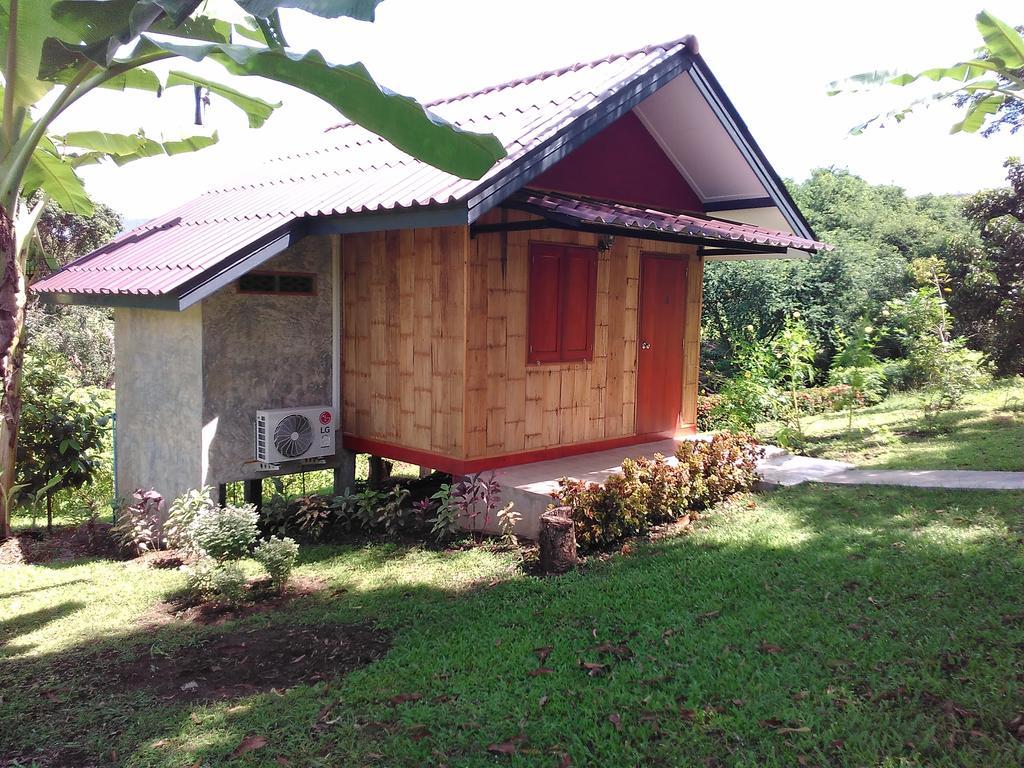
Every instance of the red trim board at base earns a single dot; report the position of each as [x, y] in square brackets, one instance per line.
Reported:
[458, 467]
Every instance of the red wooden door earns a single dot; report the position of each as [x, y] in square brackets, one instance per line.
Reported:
[659, 374]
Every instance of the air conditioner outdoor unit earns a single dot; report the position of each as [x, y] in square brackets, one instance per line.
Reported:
[294, 434]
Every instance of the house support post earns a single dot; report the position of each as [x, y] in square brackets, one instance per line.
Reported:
[220, 496]
[344, 471]
[254, 492]
[380, 471]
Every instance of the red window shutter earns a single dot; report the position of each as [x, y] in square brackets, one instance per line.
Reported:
[545, 289]
[579, 297]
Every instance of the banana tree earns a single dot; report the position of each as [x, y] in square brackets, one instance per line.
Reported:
[55, 52]
[985, 85]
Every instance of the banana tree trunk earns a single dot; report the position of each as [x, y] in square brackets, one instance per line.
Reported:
[12, 324]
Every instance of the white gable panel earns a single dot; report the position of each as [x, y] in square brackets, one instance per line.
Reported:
[683, 123]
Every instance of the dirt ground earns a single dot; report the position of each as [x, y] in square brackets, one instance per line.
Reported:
[245, 662]
[91, 539]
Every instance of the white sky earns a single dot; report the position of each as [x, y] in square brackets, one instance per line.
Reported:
[775, 60]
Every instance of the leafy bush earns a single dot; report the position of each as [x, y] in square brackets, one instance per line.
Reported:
[139, 527]
[708, 406]
[182, 514]
[228, 584]
[312, 514]
[225, 533]
[445, 522]
[62, 433]
[656, 490]
[719, 467]
[950, 372]
[394, 513]
[665, 487]
[605, 513]
[277, 556]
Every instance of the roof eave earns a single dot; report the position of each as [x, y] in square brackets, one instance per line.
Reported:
[730, 118]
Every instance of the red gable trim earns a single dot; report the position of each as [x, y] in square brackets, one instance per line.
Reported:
[623, 163]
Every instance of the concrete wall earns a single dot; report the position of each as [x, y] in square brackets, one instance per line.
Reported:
[263, 351]
[159, 360]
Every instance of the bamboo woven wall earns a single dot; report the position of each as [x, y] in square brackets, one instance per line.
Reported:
[512, 406]
[403, 349]
[434, 343]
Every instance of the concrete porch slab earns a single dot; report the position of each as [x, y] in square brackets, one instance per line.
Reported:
[530, 485]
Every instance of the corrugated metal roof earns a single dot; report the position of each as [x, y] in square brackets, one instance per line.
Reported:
[349, 171]
[583, 211]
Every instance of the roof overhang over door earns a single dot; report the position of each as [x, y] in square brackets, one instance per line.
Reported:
[701, 132]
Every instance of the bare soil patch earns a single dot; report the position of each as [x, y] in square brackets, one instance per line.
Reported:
[245, 662]
[91, 539]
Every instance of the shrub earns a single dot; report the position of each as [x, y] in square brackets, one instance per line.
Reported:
[277, 556]
[312, 514]
[229, 584]
[605, 513]
[719, 467]
[666, 487]
[394, 514]
[445, 522]
[182, 514]
[139, 527]
[951, 371]
[62, 433]
[200, 582]
[708, 406]
[225, 533]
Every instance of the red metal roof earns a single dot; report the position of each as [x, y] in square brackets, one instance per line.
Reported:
[583, 211]
[349, 170]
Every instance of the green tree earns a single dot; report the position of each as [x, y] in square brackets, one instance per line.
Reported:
[877, 231]
[55, 52]
[988, 87]
[987, 275]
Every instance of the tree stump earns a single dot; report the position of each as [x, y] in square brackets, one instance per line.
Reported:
[557, 541]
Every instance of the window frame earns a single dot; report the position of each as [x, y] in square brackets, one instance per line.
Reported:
[568, 296]
[277, 274]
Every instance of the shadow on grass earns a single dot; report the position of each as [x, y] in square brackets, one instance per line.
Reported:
[877, 625]
[30, 622]
[56, 585]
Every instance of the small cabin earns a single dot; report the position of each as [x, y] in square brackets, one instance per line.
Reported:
[550, 308]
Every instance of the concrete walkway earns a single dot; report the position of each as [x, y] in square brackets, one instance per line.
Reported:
[530, 485]
[780, 468]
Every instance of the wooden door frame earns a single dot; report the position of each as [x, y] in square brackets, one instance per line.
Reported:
[686, 261]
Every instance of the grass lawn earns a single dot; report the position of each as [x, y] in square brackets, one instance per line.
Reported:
[987, 433]
[815, 626]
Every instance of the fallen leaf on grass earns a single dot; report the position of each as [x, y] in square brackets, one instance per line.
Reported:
[543, 653]
[687, 714]
[418, 732]
[619, 651]
[540, 671]
[1016, 727]
[542, 701]
[249, 744]
[769, 648]
[402, 698]
[593, 668]
[509, 747]
[565, 762]
[801, 729]
[707, 616]
[615, 720]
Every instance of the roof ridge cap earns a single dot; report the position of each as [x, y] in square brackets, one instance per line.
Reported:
[686, 41]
